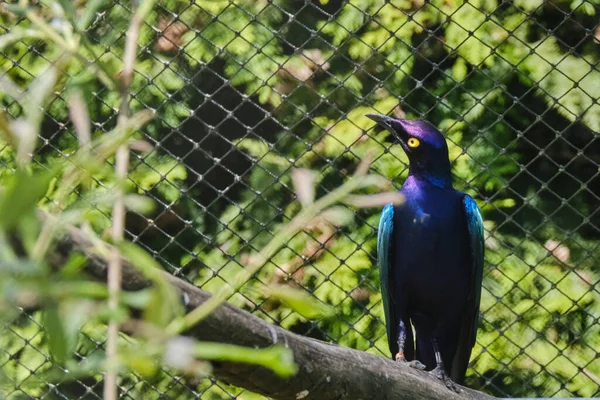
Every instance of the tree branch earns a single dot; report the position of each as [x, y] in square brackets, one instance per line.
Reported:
[326, 371]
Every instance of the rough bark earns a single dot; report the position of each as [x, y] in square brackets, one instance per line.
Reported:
[326, 371]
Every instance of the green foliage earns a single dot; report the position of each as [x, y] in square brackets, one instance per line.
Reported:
[499, 79]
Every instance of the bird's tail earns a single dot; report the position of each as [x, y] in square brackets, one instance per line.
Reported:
[464, 345]
[424, 352]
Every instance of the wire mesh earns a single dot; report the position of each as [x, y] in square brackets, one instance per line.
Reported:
[244, 91]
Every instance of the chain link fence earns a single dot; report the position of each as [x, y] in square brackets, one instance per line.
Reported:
[244, 91]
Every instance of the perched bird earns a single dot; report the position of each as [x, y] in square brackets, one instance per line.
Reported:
[430, 257]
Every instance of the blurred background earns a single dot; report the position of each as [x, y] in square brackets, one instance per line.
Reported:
[244, 91]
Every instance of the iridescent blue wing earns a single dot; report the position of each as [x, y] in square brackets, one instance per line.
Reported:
[476, 239]
[471, 317]
[384, 243]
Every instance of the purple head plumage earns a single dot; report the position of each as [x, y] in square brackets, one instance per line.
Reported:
[404, 129]
[424, 145]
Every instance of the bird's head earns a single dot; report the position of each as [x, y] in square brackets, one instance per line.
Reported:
[424, 145]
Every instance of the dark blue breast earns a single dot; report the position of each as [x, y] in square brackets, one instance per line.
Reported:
[431, 253]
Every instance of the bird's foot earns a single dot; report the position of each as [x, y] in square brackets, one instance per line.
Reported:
[439, 373]
[416, 364]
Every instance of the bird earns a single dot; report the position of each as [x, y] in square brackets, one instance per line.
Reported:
[430, 252]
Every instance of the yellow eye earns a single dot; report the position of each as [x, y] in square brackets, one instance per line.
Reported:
[413, 142]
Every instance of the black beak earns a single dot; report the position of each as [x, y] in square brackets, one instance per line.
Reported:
[395, 126]
[382, 120]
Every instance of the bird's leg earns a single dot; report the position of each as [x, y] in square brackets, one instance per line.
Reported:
[401, 343]
[439, 371]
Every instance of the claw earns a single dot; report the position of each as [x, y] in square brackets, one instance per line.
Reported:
[416, 364]
[439, 373]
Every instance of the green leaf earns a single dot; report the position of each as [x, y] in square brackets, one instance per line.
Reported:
[73, 265]
[22, 195]
[504, 203]
[138, 299]
[278, 358]
[120, 315]
[158, 310]
[38, 94]
[140, 204]
[459, 69]
[143, 364]
[15, 8]
[303, 303]
[57, 339]
[259, 149]
[74, 314]
[164, 304]
[79, 289]
[29, 231]
[69, 9]
[90, 12]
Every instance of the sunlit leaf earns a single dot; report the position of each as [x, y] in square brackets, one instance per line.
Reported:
[158, 310]
[91, 8]
[26, 134]
[143, 364]
[140, 204]
[73, 265]
[303, 303]
[38, 94]
[29, 231]
[139, 299]
[278, 358]
[22, 194]
[68, 9]
[74, 314]
[57, 338]
[165, 303]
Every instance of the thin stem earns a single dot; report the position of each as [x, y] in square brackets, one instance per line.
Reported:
[118, 214]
